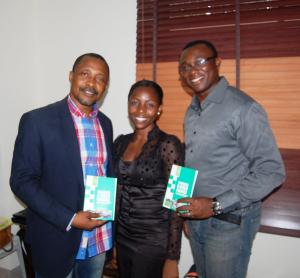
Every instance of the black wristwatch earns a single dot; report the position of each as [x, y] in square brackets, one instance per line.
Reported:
[216, 207]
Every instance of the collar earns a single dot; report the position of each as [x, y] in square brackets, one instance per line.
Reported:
[77, 112]
[216, 95]
[153, 133]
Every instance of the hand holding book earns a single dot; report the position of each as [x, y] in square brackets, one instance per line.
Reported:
[87, 220]
[196, 208]
[100, 196]
[180, 185]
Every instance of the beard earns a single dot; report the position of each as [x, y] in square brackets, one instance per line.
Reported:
[84, 100]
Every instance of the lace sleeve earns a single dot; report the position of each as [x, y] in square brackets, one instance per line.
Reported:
[119, 141]
[117, 147]
[175, 234]
[173, 153]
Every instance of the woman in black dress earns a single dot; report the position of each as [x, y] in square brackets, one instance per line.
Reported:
[148, 235]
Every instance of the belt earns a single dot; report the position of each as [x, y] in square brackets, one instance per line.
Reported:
[229, 217]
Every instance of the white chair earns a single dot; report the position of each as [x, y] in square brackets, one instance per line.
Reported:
[16, 247]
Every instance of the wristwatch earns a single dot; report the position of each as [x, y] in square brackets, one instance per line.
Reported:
[216, 207]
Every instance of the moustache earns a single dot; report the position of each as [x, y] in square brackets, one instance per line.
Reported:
[89, 89]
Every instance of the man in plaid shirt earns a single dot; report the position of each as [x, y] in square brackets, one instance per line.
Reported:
[56, 148]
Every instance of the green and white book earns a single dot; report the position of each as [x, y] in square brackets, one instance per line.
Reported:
[100, 196]
[180, 185]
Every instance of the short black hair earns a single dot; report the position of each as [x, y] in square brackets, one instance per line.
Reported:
[199, 42]
[151, 84]
[93, 55]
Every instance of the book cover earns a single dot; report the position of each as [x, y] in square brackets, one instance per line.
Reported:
[100, 196]
[180, 185]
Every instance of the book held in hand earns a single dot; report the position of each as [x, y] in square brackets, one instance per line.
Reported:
[180, 185]
[100, 196]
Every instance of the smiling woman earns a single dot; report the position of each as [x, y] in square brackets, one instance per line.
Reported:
[148, 235]
[144, 104]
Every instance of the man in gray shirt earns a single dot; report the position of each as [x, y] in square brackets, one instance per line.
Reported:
[229, 141]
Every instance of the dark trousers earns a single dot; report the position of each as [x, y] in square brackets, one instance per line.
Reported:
[142, 261]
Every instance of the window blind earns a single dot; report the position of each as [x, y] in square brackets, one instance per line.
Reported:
[268, 28]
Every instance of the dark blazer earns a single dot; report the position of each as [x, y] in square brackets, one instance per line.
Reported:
[47, 176]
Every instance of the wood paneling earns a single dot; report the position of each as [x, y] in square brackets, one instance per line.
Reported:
[281, 210]
[275, 83]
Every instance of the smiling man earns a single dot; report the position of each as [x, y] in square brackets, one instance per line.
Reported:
[229, 141]
[57, 146]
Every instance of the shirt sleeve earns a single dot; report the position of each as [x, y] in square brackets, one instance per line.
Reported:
[266, 169]
[172, 153]
[70, 223]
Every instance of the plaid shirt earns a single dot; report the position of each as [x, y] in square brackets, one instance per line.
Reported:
[94, 162]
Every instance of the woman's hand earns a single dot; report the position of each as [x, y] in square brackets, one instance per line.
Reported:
[170, 269]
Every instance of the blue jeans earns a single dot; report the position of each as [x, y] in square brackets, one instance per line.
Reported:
[88, 268]
[222, 249]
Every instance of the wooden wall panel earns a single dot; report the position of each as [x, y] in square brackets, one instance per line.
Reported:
[273, 82]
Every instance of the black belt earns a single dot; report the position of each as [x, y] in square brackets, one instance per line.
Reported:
[229, 217]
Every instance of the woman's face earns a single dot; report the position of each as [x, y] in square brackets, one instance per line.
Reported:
[143, 108]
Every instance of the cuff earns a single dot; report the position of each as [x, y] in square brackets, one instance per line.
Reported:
[229, 201]
[70, 223]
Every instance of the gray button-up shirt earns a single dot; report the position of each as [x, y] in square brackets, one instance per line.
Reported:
[229, 140]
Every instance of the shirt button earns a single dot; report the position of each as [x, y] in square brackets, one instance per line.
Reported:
[194, 132]
[191, 151]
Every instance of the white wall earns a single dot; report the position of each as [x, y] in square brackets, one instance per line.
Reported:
[272, 257]
[275, 257]
[40, 40]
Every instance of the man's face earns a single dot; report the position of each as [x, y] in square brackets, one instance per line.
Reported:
[199, 69]
[88, 82]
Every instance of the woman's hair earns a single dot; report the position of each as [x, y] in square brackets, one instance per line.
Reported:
[151, 84]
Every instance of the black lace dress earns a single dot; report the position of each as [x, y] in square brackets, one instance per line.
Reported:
[142, 222]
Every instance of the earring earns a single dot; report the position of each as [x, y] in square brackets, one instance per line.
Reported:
[158, 113]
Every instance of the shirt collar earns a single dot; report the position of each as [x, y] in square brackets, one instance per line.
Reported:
[153, 133]
[77, 112]
[216, 95]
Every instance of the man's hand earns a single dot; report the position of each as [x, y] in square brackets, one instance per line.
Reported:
[170, 269]
[85, 220]
[197, 208]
